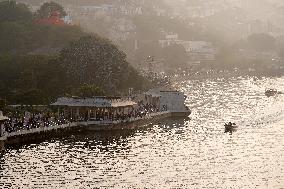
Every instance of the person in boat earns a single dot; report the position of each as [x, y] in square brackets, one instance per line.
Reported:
[230, 124]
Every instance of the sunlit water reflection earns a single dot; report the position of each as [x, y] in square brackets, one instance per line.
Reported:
[173, 154]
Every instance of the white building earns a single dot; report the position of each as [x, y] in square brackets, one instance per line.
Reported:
[197, 50]
[173, 101]
[122, 29]
[170, 100]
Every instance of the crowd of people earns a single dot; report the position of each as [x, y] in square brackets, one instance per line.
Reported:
[32, 121]
[29, 120]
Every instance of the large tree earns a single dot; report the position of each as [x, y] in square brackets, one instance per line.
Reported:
[88, 91]
[261, 42]
[19, 35]
[48, 8]
[96, 61]
[21, 76]
[10, 11]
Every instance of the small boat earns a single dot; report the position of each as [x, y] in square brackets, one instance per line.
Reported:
[230, 127]
[271, 92]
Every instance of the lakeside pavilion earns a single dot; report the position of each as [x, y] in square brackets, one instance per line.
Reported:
[95, 109]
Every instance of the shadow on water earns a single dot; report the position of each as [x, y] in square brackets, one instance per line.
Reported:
[93, 138]
[89, 138]
[176, 125]
[173, 122]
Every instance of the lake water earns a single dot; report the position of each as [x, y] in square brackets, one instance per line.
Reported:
[176, 153]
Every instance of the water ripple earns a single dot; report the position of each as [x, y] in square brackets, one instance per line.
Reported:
[173, 154]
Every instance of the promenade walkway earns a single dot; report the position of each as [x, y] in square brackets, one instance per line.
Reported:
[103, 123]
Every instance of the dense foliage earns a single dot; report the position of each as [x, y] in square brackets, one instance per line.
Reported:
[20, 34]
[95, 60]
[40, 62]
[12, 12]
[31, 79]
[48, 8]
[30, 38]
[261, 42]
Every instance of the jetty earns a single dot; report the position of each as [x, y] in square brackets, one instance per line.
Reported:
[97, 113]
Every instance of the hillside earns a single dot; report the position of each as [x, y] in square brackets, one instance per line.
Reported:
[40, 61]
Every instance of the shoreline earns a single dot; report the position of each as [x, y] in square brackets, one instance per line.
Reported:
[217, 74]
[36, 134]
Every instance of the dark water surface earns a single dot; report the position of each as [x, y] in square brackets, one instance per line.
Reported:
[173, 154]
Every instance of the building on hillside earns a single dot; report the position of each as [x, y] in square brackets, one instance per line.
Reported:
[200, 50]
[200, 12]
[197, 50]
[53, 19]
[129, 10]
[122, 29]
[67, 20]
[89, 9]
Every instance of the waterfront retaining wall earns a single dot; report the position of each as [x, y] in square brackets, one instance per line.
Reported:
[64, 129]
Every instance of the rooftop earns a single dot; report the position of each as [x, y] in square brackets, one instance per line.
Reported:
[98, 102]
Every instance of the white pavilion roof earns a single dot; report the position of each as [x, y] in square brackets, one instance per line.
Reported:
[93, 102]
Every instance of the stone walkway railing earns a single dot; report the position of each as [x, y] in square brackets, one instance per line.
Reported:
[76, 124]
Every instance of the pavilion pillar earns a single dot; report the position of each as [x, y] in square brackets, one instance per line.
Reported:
[89, 114]
[2, 145]
[71, 112]
[104, 113]
[115, 113]
[58, 111]
[108, 114]
[77, 113]
[2, 130]
[112, 113]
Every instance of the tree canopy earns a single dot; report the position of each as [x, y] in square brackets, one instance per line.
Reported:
[86, 65]
[261, 42]
[88, 91]
[20, 35]
[48, 8]
[10, 11]
[96, 61]
[31, 79]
